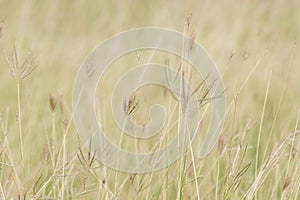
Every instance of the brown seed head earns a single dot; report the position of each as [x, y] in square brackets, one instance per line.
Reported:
[2, 28]
[130, 105]
[221, 144]
[287, 182]
[53, 101]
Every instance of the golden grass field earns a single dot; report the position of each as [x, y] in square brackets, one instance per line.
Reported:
[255, 45]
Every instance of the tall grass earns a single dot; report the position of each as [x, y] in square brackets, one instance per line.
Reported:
[255, 46]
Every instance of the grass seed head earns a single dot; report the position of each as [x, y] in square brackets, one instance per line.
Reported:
[287, 182]
[53, 98]
[2, 29]
[20, 72]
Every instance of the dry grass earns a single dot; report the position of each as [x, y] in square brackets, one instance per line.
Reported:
[254, 43]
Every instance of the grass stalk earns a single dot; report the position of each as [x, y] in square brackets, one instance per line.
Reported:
[261, 126]
[20, 125]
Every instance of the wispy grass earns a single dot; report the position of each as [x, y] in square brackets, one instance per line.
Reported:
[20, 71]
[257, 156]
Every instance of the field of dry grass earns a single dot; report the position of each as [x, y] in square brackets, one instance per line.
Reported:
[255, 45]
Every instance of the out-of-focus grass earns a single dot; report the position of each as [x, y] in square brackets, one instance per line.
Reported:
[248, 40]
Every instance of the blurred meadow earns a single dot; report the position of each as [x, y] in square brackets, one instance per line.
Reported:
[255, 45]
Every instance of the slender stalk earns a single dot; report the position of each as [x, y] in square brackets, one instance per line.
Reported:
[53, 139]
[260, 127]
[195, 172]
[63, 166]
[181, 178]
[292, 146]
[217, 178]
[20, 123]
